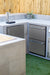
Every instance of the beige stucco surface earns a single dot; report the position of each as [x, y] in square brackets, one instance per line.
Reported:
[12, 57]
[4, 38]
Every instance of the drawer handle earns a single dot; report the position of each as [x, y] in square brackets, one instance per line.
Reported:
[36, 41]
[37, 28]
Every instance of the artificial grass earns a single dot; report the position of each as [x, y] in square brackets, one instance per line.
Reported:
[37, 66]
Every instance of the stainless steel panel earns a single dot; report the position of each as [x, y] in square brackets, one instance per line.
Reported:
[37, 47]
[37, 32]
[17, 30]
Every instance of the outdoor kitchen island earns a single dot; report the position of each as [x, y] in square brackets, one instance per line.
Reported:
[25, 24]
[12, 55]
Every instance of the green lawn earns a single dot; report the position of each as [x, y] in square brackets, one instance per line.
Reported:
[37, 66]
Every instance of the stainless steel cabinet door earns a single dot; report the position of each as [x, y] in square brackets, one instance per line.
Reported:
[17, 30]
[37, 32]
[37, 47]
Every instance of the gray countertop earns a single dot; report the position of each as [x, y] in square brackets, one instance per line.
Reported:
[31, 21]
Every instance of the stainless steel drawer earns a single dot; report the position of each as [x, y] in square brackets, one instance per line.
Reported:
[17, 30]
[37, 47]
[37, 32]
